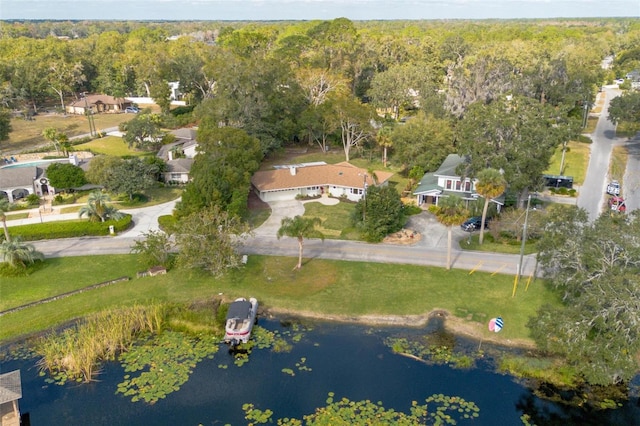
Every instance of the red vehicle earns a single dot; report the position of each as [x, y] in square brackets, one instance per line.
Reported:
[617, 204]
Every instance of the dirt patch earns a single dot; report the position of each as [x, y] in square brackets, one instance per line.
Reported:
[404, 236]
[452, 324]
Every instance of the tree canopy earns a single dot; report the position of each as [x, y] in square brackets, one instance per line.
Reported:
[595, 269]
[625, 107]
[210, 239]
[130, 177]
[379, 213]
[65, 176]
[234, 156]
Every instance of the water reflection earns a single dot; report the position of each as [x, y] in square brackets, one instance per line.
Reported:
[351, 361]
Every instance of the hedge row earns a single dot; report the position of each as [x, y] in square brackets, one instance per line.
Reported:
[68, 229]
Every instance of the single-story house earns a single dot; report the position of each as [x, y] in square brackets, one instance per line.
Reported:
[315, 179]
[97, 104]
[20, 180]
[445, 181]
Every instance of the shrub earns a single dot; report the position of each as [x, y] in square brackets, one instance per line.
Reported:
[32, 200]
[167, 223]
[66, 229]
[411, 209]
[584, 139]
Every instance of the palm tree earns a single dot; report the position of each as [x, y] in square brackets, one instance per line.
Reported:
[385, 141]
[97, 208]
[450, 211]
[18, 254]
[300, 227]
[490, 184]
[4, 208]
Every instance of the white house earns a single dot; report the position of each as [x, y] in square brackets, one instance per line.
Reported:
[179, 155]
[19, 180]
[315, 179]
[445, 181]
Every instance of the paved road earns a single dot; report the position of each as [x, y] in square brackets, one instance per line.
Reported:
[430, 250]
[592, 195]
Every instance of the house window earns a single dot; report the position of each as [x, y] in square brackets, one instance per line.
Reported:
[448, 184]
[467, 186]
[458, 185]
[176, 176]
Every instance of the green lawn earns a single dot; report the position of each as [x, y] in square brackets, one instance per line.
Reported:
[27, 135]
[110, 145]
[618, 164]
[321, 287]
[575, 162]
[336, 219]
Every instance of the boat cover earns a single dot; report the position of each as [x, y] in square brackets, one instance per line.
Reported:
[239, 309]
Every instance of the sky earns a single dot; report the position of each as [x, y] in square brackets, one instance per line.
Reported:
[267, 10]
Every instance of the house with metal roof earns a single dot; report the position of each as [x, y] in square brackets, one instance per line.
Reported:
[287, 182]
[445, 181]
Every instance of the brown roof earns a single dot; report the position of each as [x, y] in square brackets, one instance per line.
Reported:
[341, 174]
[103, 99]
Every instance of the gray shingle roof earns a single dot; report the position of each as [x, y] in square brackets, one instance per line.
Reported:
[19, 176]
[180, 165]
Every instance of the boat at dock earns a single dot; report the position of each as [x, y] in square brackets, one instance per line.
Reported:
[240, 320]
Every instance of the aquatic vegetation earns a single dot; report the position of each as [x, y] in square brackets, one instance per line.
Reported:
[75, 354]
[17, 351]
[262, 338]
[255, 415]
[435, 354]
[444, 410]
[300, 366]
[288, 371]
[544, 369]
[165, 363]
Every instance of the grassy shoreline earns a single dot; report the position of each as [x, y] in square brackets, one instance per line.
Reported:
[324, 289]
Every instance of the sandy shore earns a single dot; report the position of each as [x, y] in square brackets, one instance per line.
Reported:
[452, 324]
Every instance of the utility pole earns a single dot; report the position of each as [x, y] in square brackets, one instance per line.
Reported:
[364, 199]
[89, 113]
[524, 238]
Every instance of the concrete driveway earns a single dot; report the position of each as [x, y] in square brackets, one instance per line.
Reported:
[432, 232]
[282, 209]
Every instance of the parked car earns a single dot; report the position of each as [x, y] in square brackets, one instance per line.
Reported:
[613, 188]
[617, 204]
[131, 110]
[474, 223]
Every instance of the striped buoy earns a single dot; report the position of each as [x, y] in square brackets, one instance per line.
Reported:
[498, 325]
[495, 324]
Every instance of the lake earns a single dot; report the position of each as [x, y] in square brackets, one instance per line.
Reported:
[351, 361]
